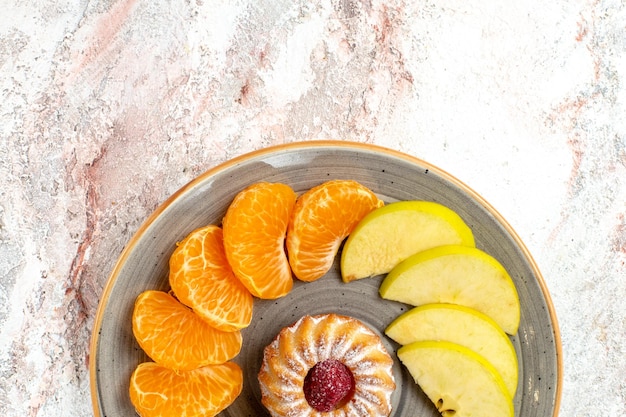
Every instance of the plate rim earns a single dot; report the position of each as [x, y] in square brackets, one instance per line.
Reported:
[291, 146]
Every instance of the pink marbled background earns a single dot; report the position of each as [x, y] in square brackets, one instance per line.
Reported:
[110, 106]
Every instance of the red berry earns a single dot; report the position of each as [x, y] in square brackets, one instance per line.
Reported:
[328, 385]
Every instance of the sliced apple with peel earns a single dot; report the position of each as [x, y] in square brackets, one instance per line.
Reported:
[457, 275]
[461, 325]
[392, 233]
[460, 382]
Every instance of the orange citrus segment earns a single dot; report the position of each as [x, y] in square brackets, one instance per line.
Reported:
[322, 218]
[159, 391]
[254, 227]
[202, 279]
[175, 337]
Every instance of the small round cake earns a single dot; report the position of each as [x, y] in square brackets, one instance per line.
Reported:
[330, 365]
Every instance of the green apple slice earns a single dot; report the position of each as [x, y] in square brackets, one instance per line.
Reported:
[461, 325]
[460, 382]
[457, 275]
[392, 233]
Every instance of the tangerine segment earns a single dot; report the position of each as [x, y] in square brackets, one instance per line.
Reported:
[202, 279]
[254, 235]
[206, 391]
[174, 336]
[322, 218]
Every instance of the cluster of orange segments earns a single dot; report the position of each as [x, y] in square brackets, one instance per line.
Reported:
[268, 235]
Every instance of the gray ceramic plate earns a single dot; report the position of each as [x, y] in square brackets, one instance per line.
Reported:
[393, 176]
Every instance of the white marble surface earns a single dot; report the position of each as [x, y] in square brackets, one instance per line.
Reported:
[109, 106]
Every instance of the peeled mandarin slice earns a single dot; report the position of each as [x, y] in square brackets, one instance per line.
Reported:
[177, 338]
[202, 279]
[156, 391]
[254, 227]
[322, 218]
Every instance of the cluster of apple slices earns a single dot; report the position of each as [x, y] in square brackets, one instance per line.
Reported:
[454, 342]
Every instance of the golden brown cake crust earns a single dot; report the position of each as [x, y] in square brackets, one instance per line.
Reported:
[313, 339]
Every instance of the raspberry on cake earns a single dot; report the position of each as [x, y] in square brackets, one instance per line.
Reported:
[328, 385]
[327, 365]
